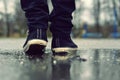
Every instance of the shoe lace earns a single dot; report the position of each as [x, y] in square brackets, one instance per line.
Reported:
[39, 33]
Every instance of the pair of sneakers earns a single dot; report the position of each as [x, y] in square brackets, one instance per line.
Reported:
[37, 41]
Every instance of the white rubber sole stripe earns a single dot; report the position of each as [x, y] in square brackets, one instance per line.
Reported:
[32, 42]
[63, 49]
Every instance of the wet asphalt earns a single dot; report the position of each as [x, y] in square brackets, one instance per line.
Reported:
[94, 60]
[93, 64]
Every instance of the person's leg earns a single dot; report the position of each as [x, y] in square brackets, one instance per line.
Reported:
[37, 14]
[61, 24]
[61, 17]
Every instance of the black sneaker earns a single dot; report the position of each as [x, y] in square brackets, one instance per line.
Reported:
[36, 42]
[63, 46]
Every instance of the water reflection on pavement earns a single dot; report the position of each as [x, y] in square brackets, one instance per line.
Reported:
[101, 64]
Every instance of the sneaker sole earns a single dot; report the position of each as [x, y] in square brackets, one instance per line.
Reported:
[35, 46]
[64, 53]
[64, 49]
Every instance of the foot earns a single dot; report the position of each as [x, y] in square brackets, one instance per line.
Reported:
[35, 42]
[63, 46]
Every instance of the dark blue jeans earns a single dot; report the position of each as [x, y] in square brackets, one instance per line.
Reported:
[37, 14]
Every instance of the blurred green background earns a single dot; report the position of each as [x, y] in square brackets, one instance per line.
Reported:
[91, 19]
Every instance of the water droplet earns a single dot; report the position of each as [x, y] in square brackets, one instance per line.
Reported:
[108, 59]
[54, 62]
[91, 57]
[21, 62]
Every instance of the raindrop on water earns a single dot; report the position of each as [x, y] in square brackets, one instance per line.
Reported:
[21, 62]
